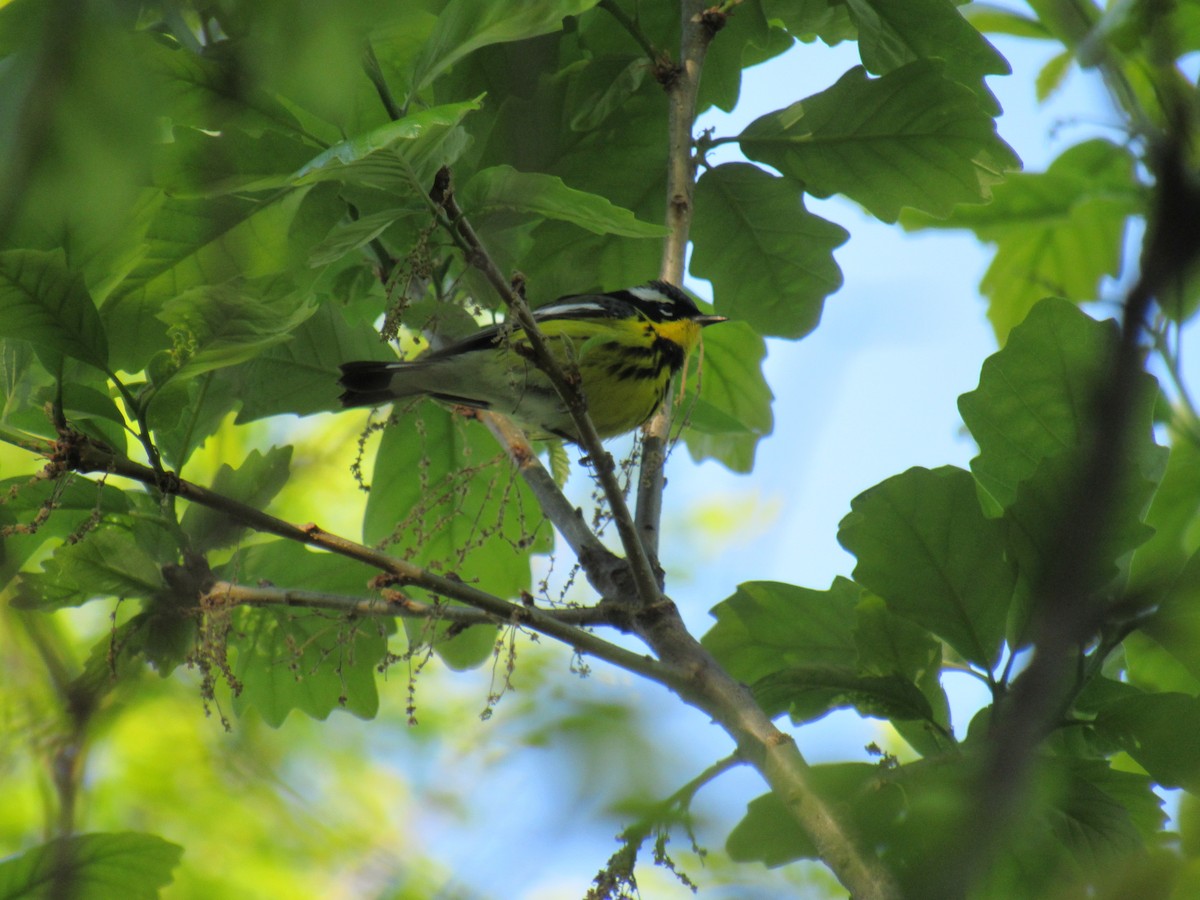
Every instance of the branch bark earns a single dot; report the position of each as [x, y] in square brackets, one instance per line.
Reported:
[697, 28]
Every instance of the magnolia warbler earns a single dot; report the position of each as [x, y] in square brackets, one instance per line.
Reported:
[626, 346]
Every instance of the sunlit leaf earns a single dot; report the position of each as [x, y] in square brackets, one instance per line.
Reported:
[95, 866]
[314, 661]
[1057, 232]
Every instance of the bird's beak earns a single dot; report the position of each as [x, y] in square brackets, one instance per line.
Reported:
[709, 320]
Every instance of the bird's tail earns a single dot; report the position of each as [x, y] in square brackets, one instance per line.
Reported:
[373, 383]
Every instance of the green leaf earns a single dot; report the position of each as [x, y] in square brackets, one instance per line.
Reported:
[504, 188]
[1051, 77]
[809, 20]
[424, 140]
[108, 562]
[1159, 731]
[890, 645]
[925, 547]
[769, 834]
[348, 236]
[747, 39]
[466, 25]
[769, 259]
[200, 163]
[1057, 232]
[96, 867]
[308, 660]
[448, 500]
[49, 510]
[222, 325]
[44, 302]
[194, 243]
[892, 33]
[300, 376]
[728, 403]
[204, 91]
[311, 660]
[186, 415]
[911, 138]
[808, 692]
[1035, 397]
[1035, 520]
[768, 626]
[258, 479]
[1175, 622]
[993, 19]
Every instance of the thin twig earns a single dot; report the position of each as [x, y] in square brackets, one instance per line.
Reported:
[85, 456]
[697, 34]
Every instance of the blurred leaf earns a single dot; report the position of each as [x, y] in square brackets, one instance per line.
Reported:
[1035, 520]
[910, 138]
[1036, 398]
[254, 483]
[1051, 77]
[424, 140]
[1057, 232]
[924, 546]
[994, 19]
[196, 244]
[1159, 731]
[222, 325]
[768, 626]
[1173, 515]
[207, 93]
[1175, 620]
[45, 303]
[728, 402]
[769, 259]
[467, 25]
[892, 33]
[504, 188]
[200, 163]
[92, 867]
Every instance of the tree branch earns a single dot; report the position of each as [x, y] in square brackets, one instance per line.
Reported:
[645, 579]
[79, 454]
[389, 603]
[697, 30]
[1067, 616]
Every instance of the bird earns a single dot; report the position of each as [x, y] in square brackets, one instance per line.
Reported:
[626, 346]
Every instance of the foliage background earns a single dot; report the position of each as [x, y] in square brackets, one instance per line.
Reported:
[346, 780]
